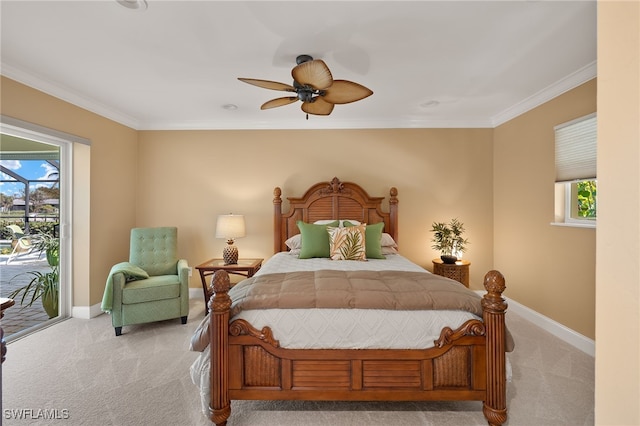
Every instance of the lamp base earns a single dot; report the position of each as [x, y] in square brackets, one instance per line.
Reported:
[230, 255]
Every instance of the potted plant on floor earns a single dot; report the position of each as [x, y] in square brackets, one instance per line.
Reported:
[43, 285]
[448, 239]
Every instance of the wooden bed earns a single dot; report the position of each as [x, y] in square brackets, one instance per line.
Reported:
[467, 363]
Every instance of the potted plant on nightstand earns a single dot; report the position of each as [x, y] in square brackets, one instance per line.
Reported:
[448, 239]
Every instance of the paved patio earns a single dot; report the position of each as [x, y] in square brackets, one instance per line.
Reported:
[12, 276]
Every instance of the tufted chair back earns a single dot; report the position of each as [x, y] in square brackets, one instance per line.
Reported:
[155, 250]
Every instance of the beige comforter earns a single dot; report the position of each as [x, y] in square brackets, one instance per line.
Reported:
[331, 289]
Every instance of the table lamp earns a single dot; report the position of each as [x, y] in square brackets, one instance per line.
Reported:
[230, 226]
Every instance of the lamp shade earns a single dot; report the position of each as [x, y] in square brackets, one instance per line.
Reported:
[230, 226]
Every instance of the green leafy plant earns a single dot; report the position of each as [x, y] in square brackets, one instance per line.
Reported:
[43, 285]
[448, 238]
[50, 245]
[587, 193]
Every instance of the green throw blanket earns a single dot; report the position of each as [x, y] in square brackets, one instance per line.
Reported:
[131, 272]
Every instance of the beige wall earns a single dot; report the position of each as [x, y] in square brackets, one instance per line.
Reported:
[549, 269]
[188, 177]
[618, 250]
[102, 222]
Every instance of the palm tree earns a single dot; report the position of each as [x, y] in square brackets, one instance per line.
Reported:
[53, 175]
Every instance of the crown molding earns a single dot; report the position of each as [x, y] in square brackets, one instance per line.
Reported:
[571, 81]
[68, 95]
[299, 123]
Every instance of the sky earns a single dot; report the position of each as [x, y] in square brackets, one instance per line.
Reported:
[29, 169]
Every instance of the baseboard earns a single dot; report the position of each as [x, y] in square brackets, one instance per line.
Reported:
[562, 332]
[86, 312]
[195, 293]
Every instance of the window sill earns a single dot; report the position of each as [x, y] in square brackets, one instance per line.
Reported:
[575, 225]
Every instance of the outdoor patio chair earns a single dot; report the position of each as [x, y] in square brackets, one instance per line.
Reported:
[153, 285]
[22, 244]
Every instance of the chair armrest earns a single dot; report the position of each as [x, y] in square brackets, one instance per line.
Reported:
[183, 271]
[118, 282]
[183, 276]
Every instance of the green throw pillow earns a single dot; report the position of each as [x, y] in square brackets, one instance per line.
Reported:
[373, 236]
[314, 239]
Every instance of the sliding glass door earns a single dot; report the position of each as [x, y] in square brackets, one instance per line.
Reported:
[35, 218]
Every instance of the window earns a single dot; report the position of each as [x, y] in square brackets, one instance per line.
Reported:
[576, 172]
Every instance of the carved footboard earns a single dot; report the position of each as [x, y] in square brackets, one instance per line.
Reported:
[465, 364]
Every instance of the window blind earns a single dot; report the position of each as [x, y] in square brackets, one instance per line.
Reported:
[576, 149]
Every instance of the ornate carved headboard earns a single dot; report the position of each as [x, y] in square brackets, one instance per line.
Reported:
[332, 200]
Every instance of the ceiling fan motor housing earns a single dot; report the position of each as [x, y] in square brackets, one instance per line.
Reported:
[303, 58]
[305, 93]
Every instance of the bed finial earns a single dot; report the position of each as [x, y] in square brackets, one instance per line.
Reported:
[277, 220]
[494, 283]
[393, 193]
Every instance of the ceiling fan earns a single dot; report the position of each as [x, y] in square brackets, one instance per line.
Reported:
[314, 86]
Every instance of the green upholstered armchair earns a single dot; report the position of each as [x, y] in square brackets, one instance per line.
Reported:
[164, 294]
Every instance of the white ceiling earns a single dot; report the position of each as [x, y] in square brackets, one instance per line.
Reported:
[175, 64]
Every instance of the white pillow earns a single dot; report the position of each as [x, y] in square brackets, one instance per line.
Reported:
[388, 241]
[388, 250]
[324, 222]
[295, 242]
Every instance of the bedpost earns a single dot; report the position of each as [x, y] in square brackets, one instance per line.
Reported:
[393, 212]
[219, 305]
[494, 308]
[277, 220]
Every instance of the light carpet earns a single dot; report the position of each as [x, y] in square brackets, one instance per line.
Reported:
[79, 372]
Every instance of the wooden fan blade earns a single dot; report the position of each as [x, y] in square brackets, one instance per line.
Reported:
[317, 107]
[313, 73]
[266, 84]
[278, 102]
[344, 92]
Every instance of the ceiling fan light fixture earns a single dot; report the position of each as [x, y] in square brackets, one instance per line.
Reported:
[134, 4]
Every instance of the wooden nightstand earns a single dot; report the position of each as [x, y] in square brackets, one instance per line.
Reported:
[244, 267]
[458, 271]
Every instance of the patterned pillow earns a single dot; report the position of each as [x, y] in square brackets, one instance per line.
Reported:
[347, 243]
[373, 235]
